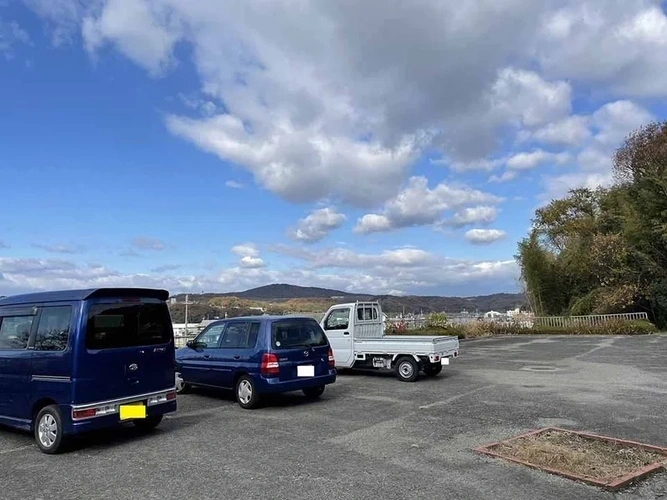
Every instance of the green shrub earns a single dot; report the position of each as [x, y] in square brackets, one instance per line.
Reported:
[479, 329]
[435, 320]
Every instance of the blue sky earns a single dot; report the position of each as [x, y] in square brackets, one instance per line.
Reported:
[194, 147]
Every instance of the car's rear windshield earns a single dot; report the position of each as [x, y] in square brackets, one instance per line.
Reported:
[296, 333]
[111, 326]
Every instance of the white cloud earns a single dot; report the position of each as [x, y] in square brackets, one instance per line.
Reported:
[525, 96]
[234, 184]
[507, 175]
[318, 224]
[62, 18]
[405, 270]
[530, 160]
[616, 44]
[249, 262]
[145, 31]
[418, 205]
[58, 248]
[249, 256]
[571, 131]
[245, 250]
[484, 236]
[304, 165]
[483, 214]
[11, 34]
[147, 243]
[610, 125]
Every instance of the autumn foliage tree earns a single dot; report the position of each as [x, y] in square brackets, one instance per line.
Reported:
[605, 250]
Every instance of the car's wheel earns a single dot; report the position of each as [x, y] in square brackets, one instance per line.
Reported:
[407, 369]
[181, 386]
[314, 392]
[48, 430]
[246, 393]
[431, 370]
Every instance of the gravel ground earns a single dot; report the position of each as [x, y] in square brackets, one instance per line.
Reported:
[371, 436]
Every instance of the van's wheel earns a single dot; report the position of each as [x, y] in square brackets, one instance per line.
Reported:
[246, 393]
[147, 424]
[181, 386]
[431, 370]
[314, 392]
[48, 430]
[406, 369]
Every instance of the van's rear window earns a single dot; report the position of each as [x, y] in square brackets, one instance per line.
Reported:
[112, 326]
[296, 333]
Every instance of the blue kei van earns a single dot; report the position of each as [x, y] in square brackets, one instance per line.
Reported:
[80, 360]
[258, 355]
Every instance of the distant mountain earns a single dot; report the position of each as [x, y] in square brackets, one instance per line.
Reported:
[282, 292]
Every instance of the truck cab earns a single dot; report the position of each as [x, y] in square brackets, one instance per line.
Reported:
[356, 333]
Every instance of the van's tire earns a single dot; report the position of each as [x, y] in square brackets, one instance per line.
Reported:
[246, 393]
[147, 424]
[432, 369]
[314, 392]
[48, 430]
[406, 369]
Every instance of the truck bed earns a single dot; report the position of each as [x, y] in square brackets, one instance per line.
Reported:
[408, 344]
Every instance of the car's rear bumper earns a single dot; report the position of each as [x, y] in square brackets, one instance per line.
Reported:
[275, 385]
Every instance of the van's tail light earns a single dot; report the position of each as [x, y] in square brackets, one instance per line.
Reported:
[332, 360]
[270, 366]
[77, 414]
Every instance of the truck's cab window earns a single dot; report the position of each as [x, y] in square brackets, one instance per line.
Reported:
[338, 319]
[367, 313]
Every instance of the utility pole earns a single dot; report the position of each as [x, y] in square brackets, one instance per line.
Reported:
[186, 314]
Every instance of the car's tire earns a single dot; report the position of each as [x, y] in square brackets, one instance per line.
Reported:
[48, 430]
[147, 424]
[406, 369]
[313, 392]
[432, 370]
[246, 393]
[181, 386]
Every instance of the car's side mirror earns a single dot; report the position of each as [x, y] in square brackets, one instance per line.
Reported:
[195, 345]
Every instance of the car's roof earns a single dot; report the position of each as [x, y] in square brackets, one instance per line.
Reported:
[265, 317]
[82, 294]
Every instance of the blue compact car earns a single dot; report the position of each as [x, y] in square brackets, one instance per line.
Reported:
[80, 360]
[256, 356]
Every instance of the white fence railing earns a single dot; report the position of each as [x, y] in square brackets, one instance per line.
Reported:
[527, 321]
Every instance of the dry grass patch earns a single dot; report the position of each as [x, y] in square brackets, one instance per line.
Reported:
[598, 460]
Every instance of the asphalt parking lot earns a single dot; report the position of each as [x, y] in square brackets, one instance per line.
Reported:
[371, 436]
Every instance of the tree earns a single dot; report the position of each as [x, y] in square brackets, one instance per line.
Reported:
[605, 250]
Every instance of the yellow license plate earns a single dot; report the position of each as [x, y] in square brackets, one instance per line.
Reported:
[137, 410]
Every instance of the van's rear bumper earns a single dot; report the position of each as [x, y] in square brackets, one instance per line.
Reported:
[275, 385]
[108, 413]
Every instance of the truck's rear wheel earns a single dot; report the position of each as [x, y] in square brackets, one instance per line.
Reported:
[432, 369]
[406, 369]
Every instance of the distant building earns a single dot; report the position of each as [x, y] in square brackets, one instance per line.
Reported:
[493, 314]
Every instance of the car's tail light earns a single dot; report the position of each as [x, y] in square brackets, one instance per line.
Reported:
[332, 361]
[270, 366]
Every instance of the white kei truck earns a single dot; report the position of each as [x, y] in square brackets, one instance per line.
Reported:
[356, 334]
